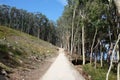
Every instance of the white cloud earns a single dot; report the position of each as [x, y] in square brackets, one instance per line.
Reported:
[63, 2]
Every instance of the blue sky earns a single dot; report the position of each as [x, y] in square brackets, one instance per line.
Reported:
[51, 8]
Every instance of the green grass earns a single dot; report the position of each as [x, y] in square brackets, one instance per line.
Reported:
[99, 73]
[16, 46]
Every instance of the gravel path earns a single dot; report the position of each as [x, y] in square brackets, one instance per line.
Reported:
[62, 69]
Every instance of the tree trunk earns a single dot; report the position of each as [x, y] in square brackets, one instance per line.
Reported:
[113, 52]
[38, 35]
[118, 66]
[93, 46]
[117, 3]
[67, 41]
[83, 44]
[22, 26]
[74, 11]
[118, 71]
[79, 49]
[101, 60]
[95, 63]
[96, 50]
[109, 34]
[68, 45]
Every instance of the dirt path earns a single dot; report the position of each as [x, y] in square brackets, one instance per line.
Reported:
[36, 74]
[33, 74]
[62, 69]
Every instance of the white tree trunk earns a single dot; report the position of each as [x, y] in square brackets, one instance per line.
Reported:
[118, 71]
[113, 52]
[117, 3]
[118, 66]
[72, 30]
[68, 45]
[93, 45]
[95, 63]
[101, 60]
[83, 44]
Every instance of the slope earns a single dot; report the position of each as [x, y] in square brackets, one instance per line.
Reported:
[20, 51]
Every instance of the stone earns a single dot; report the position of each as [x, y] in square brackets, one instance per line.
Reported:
[3, 77]
[3, 72]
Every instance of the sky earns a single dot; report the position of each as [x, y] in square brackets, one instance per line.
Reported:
[51, 8]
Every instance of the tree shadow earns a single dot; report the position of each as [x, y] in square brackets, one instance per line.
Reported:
[79, 62]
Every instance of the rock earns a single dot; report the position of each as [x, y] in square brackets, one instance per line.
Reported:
[16, 42]
[3, 77]
[4, 38]
[13, 48]
[8, 44]
[48, 51]
[3, 72]
[10, 53]
[89, 77]
[20, 61]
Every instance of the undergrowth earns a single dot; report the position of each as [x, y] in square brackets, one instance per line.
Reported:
[99, 73]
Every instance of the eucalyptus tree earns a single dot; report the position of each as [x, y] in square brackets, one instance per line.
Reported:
[72, 18]
[93, 11]
[63, 31]
[114, 21]
[117, 3]
[65, 23]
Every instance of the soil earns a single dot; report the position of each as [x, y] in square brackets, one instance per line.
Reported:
[34, 72]
[83, 73]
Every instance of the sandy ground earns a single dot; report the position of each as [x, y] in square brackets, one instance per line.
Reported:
[62, 69]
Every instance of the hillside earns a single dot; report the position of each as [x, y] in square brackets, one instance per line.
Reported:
[21, 51]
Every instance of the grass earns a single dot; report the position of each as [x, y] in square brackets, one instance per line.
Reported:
[99, 73]
[17, 48]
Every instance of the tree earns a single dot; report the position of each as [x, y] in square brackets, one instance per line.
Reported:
[111, 62]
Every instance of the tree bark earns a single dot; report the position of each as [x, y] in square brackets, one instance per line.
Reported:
[83, 44]
[93, 46]
[101, 60]
[74, 11]
[113, 52]
[117, 3]
[118, 66]
[95, 60]
[118, 71]
[96, 50]
[38, 35]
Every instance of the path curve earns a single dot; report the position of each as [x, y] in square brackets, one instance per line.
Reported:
[62, 69]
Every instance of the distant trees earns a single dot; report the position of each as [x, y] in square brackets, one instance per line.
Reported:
[35, 24]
